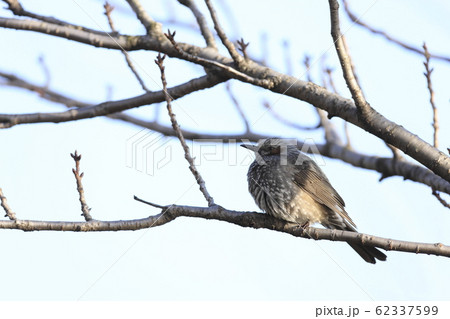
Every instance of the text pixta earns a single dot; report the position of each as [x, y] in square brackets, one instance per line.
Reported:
[336, 311]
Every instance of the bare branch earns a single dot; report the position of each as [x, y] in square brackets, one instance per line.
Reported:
[440, 199]
[237, 58]
[9, 213]
[287, 122]
[238, 107]
[45, 70]
[43, 91]
[243, 219]
[386, 166]
[108, 10]
[334, 104]
[75, 33]
[18, 10]
[150, 25]
[364, 109]
[331, 134]
[243, 47]
[206, 32]
[231, 72]
[160, 63]
[352, 65]
[106, 108]
[149, 203]
[288, 57]
[378, 125]
[78, 176]
[427, 74]
[358, 21]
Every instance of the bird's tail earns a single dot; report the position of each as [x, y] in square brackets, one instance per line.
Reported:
[369, 254]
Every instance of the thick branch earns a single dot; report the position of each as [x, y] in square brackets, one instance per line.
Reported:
[243, 219]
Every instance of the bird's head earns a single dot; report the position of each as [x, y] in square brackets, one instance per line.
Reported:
[272, 146]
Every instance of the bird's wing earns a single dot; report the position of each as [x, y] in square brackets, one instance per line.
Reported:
[309, 178]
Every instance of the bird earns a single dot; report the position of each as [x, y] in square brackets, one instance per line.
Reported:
[289, 185]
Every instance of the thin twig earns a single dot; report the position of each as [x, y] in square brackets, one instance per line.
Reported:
[264, 48]
[201, 21]
[78, 176]
[9, 213]
[149, 203]
[439, 198]
[237, 58]
[160, 62]
[231, 72]
[238, 107]
[287, 122]
[243, 47]
[45, 70]
[288, 57]
[331, 134]
[358, 21]
[352, 65]
[108, 9]
[427, 74]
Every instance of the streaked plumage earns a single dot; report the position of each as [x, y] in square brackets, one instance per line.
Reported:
[287, 184]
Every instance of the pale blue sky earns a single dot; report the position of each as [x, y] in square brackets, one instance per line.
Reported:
[199, 259]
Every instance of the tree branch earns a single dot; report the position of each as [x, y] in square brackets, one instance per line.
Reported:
[427, 74]
[334, 104]
[243, 219]
[4, 203]
[364, 109]
[237, 58]
[358, 21]
[78, 176]
[201, 21]
[150, 25]
[108, 10]
[386, 166]
[199, 179]
[230, 71]
[287, 122]
[18, 10]
[106, 108]
[238, 107]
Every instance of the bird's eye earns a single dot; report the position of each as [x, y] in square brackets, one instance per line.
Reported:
[275, 150]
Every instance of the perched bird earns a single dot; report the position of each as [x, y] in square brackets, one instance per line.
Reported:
[289, 185]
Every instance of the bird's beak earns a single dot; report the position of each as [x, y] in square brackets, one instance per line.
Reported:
[250, 147]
